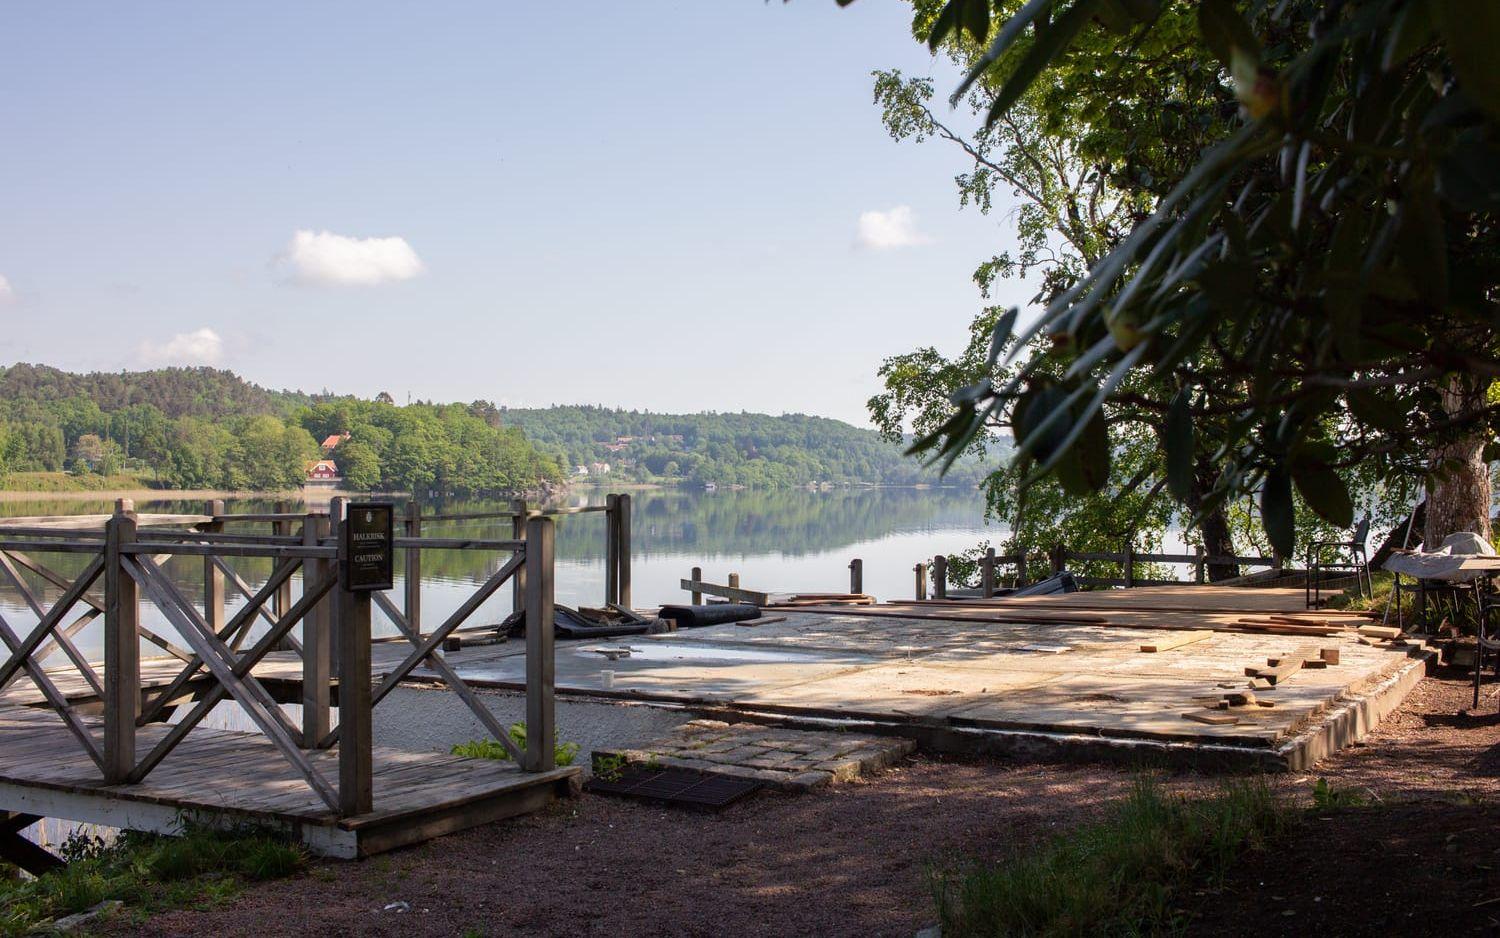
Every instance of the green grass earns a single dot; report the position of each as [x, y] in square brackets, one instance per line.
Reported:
[148, 872]
[1119, 876]
[67, 482]
[562, 753]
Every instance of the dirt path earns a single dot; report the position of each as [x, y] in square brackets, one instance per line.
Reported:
[851, 861]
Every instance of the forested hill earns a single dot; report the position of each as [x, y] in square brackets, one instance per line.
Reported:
[207, 428]
[722, 448]
[204, 428]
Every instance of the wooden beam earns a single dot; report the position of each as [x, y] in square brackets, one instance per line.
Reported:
[213, 577]
[541, 666]
[122, 646]
[317, 638]
[356, 768]
[622, 552]
[1169, 640]
[753, 597]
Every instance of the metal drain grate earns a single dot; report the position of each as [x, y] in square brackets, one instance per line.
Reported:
[675, 786]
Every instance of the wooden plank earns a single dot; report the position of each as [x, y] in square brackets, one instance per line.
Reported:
[754, 597]
[541, 664]
[1211, 717]
[1175, 640]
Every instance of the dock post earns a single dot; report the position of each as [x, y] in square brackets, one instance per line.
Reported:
[541, 667]
[213, 577]
[734, 581]
[413, 574]
[987, 574]
[622, 552]
[940, 577]
[352, 615]
[697, 578]
[281, 600]
[1059, 559]
[1198, 553]
[122, 647]
[518, 514]
[317, 642]
[856, 576]
[1129, 564]
[1020, 565]
[611, 549]
[921, 571]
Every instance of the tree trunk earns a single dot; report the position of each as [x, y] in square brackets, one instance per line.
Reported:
[1215, 525]
[1459, 497]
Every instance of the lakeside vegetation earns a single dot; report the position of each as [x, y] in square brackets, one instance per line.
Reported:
[202, 428]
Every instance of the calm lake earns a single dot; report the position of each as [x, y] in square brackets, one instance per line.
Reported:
[776, 540]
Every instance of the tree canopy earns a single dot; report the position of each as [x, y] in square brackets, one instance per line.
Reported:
[1276, 244]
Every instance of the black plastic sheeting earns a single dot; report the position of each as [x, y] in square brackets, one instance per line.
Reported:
[1060, 583]
[569, 623]
[689, 617]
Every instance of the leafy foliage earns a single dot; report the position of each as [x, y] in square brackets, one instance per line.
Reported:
[1323, 271]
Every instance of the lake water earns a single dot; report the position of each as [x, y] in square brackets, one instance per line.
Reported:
[776, 540]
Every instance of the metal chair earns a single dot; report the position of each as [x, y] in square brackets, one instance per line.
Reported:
[1358, 563]
[1487, 634]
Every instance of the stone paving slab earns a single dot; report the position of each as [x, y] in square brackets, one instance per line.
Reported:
[787, 759]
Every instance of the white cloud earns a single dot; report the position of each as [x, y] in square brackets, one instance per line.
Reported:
[884, 231]
[7, 294]
[199, 347]
[322, 257]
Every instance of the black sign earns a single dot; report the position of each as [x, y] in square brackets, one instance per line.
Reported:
[367, 549]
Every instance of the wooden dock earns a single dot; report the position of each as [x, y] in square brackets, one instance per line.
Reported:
[121, 741]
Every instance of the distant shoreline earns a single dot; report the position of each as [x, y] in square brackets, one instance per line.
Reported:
[77, 495]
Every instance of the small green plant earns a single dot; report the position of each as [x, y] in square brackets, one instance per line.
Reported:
[1326, 796]
[608, 768]
[653, 763]
[562, 753]
[149, 872]
[1119, 875]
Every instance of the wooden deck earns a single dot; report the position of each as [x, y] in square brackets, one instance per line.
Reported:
[225, 778]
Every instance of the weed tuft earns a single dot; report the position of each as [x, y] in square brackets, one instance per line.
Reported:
[562, 753]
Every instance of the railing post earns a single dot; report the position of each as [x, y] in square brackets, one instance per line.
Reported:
[317, 641]
[413, 584]
[213, 577]
[622, 552]
[697, 578]
[611, 549]
[541, 667]
[1020, 565]
[122, 647]
[921, 572]
[336, 508]
[987, 574]
[518, 516]
[1198, 553]
[1059, 559]
[1129, 564]
[281, 601]
[940, 577]
[352, 614]
[856, 576]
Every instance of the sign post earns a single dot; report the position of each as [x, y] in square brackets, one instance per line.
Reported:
[367, 552]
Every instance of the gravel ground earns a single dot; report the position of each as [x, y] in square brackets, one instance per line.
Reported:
[850, 860]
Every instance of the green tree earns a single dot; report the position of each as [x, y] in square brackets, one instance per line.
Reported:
[1314, 293]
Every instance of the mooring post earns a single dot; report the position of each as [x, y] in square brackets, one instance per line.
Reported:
[921, 571]
[856, 576]
[1198, 553]
[518, 515]
[281, 600]
[541, 668]
[697, 578]
[413, 582]
[317, 641]
[1129, 564]
[611, 549]
[352, 614]
[122, 647]
[987, 574]
[734, 582]
[213, 577]
[622, 579]
[940, 577]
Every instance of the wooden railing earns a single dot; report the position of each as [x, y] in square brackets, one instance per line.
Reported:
[336, 636]
[1024, 564]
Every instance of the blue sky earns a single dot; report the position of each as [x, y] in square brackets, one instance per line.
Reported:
[653, 205]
